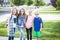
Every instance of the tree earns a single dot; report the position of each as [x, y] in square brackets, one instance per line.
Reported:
[53, 2]
[58, 4]
[1, 2]
[39, 3]
[18, 2]
[29, 2]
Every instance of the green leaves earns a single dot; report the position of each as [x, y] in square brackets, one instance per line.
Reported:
[27, 2]
[18, 2]
[39, 3]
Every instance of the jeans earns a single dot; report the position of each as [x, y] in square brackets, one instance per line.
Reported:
[29, 33]
[11, 38]
[22, 33]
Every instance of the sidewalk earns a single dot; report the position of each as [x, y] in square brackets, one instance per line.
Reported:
[6, 38]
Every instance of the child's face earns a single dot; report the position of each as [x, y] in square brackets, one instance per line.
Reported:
[14, 11]
[36, 15]
[30, 12]
[22, 12]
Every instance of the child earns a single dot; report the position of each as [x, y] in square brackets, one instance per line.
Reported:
[37, 26]
[21, 23]
[29, 23]
[12, 24]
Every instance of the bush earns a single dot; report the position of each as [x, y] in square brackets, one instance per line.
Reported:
[2, 25]
[29, 2]
[53, 2]
[39, 3]
[58, 4]
[17, 2]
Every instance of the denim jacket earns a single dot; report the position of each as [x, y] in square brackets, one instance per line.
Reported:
[21, 21]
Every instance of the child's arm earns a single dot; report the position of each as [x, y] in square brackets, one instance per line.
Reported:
[41, 27]
[8, 24]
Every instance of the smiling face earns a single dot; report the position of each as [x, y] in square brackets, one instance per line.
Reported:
[36, 13]
[14, 11]
[22, 11]
[30, 12]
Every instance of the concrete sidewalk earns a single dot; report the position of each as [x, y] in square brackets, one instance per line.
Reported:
[6, 38]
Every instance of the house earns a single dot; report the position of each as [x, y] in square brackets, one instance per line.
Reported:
[5, 3]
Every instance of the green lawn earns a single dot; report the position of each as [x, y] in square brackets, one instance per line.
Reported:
[51, 30]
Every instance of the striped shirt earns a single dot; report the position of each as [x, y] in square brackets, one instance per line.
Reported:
[12, 26]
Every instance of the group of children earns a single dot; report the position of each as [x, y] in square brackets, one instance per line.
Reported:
[21, 20]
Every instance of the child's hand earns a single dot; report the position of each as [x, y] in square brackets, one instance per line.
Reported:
[8, 28]
[41, 29]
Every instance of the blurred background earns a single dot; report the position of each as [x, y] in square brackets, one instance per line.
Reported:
[49, 11]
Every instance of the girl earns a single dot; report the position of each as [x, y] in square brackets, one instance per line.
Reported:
[12, 24]
[21, 23]
[29, 23]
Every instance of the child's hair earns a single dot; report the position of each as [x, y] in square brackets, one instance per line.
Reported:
[20, 12]
[13, 10]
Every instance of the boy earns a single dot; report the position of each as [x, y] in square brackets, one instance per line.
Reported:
[37, 26]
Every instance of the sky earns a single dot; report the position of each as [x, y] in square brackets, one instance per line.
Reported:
[47, 1]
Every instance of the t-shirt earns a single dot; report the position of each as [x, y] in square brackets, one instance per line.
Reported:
[29, 22]
[37, 23]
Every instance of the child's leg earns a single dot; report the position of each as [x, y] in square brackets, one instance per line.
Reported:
[12, 37]
[27, 31]
[9, 38]
[38, 38]
[22, 34]
[31, 33]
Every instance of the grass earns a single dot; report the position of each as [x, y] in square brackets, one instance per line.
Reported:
[51, 30]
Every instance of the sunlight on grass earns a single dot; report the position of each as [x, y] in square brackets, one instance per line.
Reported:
[49, 32]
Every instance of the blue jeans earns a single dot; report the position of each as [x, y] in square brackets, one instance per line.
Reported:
[11, 38]
[22, 33]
